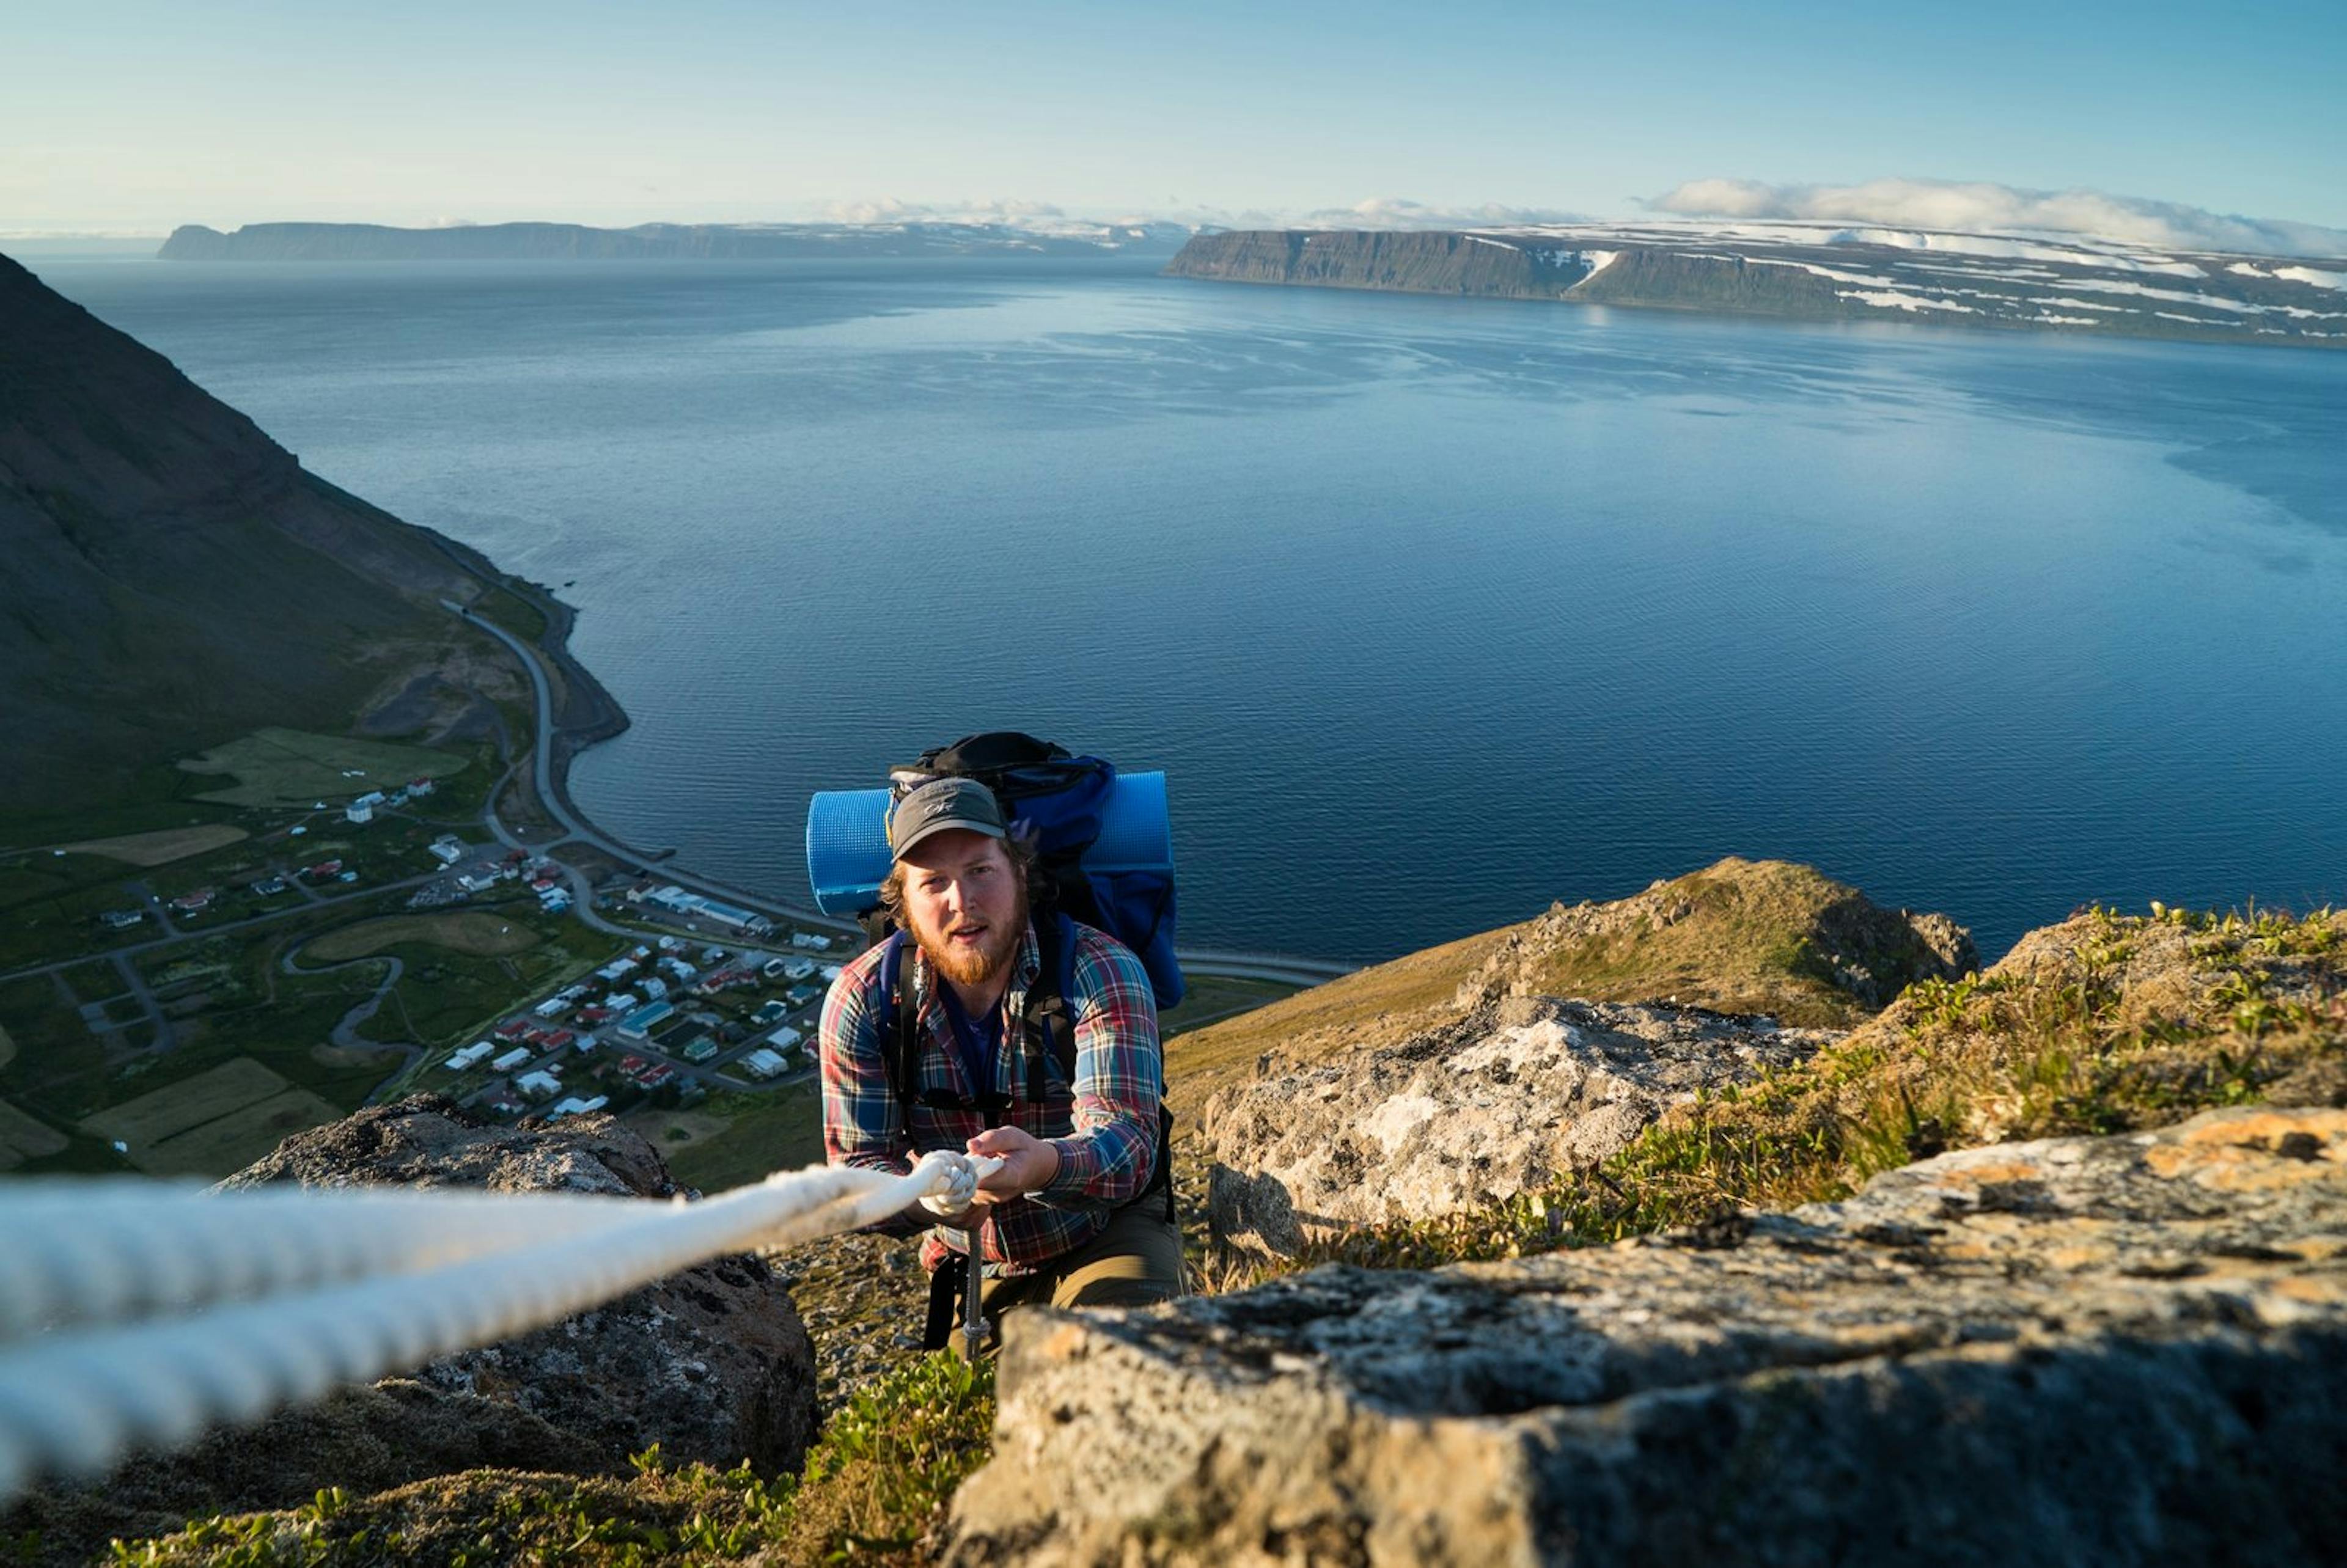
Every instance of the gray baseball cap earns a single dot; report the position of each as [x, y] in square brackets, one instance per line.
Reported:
[940, 804]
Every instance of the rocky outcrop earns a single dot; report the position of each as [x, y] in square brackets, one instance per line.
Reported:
[1743, 936]
[1502, 1087]
[712, 1363]
[1492, 1104]
[2135, 1348]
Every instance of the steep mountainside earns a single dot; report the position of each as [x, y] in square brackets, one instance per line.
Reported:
[695, 241]
[1816, 272]
[174, 578]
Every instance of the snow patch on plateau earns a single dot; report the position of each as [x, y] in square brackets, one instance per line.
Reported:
[2174, 296]
[1890, 299]
[2017, 251]
[2315, 275]
[1866, 279]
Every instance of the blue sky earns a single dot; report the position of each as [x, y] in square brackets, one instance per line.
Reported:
[128, 115]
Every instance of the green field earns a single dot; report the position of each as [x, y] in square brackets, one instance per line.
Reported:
[59, 1070]
[446, 996]
[23, 1138]
[294, 767]
[155, 1116]
[211, 1125]
[50, 904]
[763, 1133]
[477, 932]
[162, 845]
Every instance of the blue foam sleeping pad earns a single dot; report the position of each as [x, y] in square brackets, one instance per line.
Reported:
[848, 840]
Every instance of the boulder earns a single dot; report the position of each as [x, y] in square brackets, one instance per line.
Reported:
[1473, 1110]
[2129, 1350]
[712, 1363]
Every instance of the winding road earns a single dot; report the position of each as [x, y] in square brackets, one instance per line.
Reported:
[1199, 961]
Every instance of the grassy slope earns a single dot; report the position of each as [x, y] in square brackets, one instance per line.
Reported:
[1331, 1016]
[1740, 936]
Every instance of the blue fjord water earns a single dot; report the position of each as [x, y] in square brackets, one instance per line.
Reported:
[1435, 610]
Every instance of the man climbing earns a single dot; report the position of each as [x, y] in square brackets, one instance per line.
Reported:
[976, 1030]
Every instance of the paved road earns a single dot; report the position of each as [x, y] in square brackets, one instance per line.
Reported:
[164, 1038]
[1201, 961]
[180, 936]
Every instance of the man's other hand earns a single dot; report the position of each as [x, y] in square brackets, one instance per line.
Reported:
[1028, 1164]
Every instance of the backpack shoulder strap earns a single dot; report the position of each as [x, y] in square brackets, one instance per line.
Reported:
[1047, 1027]
[900, 1027]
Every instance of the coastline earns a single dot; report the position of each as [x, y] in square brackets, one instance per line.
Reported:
[589, 715]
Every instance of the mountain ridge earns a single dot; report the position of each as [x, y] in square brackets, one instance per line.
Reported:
[1814, 272]
[650, 241]
[178, 578]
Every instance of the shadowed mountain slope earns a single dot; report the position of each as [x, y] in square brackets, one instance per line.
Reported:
[174, 578]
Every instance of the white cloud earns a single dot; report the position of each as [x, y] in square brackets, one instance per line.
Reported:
[1950, 205]
[1016, 214]
[1398, 212]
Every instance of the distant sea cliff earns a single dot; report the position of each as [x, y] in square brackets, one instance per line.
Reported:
[2084, 287]
[650, 241]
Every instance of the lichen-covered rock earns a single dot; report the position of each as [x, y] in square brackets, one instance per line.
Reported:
[712, 1363]
[1473, 1110]
[2118, 1351]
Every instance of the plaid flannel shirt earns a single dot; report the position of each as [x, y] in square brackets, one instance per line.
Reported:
[1105, 1125]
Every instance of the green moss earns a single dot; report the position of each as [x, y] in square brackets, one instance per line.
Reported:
[872, 1489]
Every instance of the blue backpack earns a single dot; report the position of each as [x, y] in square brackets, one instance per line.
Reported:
[1056, 800]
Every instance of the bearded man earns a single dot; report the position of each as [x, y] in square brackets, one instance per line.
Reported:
[1080, 1214]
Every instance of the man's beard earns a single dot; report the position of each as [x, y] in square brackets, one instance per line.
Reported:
[966, 966]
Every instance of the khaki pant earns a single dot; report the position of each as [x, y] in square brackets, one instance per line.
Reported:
[1136, 1262]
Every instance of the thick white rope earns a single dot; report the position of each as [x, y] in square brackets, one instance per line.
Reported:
[297, 1291]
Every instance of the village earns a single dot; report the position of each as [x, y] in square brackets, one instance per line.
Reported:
[663, 1022]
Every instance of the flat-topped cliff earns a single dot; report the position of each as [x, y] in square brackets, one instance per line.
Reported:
[1814, 272]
